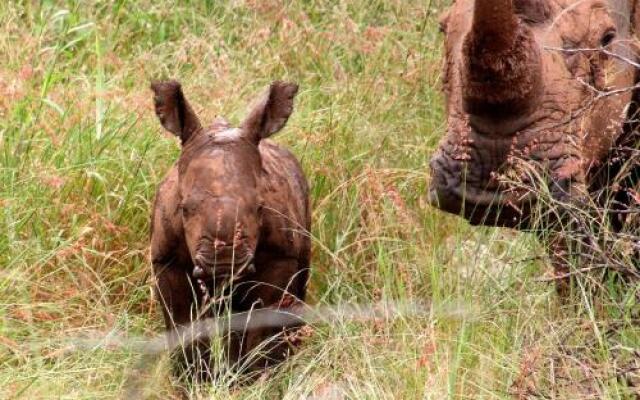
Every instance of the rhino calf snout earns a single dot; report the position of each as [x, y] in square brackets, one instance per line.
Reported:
[223, 262]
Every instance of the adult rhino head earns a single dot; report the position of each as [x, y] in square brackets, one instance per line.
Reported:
[544, 83]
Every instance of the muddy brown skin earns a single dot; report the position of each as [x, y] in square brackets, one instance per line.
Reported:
[234, 207]
[521, 97]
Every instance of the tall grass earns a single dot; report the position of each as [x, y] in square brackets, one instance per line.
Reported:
[82, 153]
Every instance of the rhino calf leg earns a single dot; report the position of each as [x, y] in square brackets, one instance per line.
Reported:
[178, 297]
[279, 284]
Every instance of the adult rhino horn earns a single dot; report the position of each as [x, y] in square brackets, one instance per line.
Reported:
[502, 74]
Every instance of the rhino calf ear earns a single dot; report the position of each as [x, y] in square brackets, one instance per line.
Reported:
[271, 113]
[173, 110]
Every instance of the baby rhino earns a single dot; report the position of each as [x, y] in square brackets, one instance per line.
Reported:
[230, 220]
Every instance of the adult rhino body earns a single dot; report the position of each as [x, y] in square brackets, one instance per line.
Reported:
[534, 88]
[231, 218]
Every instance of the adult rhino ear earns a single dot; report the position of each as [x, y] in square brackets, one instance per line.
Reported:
[173, 110]
[271, 112]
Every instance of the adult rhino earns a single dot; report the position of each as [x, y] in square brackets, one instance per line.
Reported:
[537, 88]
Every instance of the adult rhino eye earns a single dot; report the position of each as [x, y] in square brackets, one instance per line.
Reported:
[608, 37]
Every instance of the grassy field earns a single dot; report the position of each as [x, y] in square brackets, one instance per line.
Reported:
[81, 153]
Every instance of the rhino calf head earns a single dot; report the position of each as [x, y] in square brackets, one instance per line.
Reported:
[219, 172]
[529, 84]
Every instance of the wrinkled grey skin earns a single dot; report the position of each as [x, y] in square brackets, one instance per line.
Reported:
[233, 211]
[523, 101]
